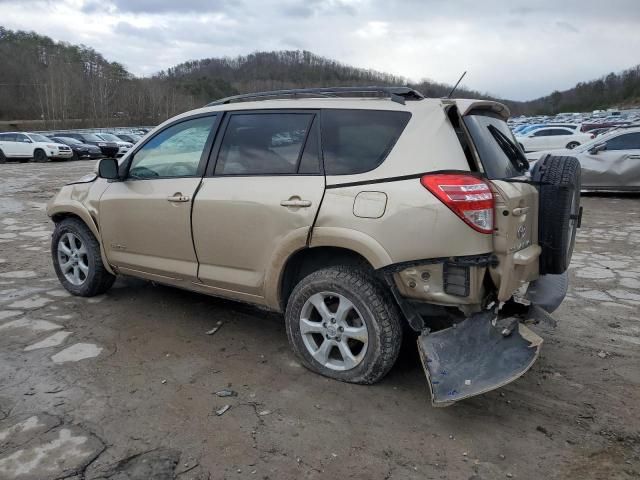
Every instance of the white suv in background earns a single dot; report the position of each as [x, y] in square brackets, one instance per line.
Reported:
[25, 146]
[552, 137]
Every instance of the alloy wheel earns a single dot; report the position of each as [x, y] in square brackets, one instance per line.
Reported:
[333, 331]
[73, 258]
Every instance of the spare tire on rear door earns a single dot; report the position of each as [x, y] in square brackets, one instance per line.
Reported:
[559, 213]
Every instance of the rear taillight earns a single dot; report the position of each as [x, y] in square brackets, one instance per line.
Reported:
[467, 196]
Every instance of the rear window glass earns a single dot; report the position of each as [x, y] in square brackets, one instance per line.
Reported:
[500, 156]
[356, 141]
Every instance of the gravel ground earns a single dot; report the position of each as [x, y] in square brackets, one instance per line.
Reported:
[123, 386]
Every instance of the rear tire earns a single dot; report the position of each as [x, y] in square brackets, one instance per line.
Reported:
[77, 260]
[559, 179]
[363, 330]
[572, 145]
[3, 158]
[40, 157]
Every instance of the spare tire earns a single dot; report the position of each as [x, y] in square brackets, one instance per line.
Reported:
[559, 211]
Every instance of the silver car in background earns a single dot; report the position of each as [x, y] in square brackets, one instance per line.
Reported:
[610, 162]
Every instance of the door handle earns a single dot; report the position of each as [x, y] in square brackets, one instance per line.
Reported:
[635, 157]
[178, 197]
[295, 203]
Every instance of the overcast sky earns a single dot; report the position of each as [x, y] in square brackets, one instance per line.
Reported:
[514, 49]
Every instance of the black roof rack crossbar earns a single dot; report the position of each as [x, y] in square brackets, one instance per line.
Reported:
[396, 94]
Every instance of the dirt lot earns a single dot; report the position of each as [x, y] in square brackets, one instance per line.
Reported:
[123, 386]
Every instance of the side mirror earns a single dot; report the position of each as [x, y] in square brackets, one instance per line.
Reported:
[598, 147]
[108, 168]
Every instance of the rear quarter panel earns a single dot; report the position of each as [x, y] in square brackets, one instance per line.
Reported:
[415, 225]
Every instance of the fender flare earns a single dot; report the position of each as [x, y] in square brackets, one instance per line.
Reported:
[355, 240]
[76, 209]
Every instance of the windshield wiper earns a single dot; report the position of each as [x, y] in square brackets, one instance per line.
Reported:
[513, 153]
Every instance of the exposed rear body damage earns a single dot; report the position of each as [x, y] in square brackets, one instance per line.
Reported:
[473, 357]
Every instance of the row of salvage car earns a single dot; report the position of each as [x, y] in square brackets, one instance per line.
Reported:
[66, 145]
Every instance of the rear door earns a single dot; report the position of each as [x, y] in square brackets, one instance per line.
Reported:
[8, 144]
[145, 219]
[258, 200]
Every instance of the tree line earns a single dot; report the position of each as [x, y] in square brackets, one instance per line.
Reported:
[62, 85]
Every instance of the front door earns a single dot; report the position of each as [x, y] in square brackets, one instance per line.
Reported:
[260, 200]
[145, 219]
[23, 146]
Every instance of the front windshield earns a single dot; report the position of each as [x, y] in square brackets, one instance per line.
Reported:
[599, 139]
[110, 137]
[68, 140]
[93, 138]
[36, 137]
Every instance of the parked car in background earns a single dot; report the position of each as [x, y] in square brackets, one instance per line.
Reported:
[547, 138]
[23, 146]
[80, 150]
[128, 137]
[123, 147]
[610, 162]
[108, 148]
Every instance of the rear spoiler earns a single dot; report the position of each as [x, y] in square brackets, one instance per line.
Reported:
[466, 105]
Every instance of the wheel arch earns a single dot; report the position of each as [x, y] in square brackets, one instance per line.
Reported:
[39, 149]
[308, 260]
[61, 212]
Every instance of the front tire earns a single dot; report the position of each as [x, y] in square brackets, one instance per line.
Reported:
[39, 156]
[3, 158]
[77, 259]
[341, 323]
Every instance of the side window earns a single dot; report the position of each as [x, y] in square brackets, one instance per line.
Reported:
[628, 141]
[22, 138]
[357, 141]
[174, 152]
[263, 143]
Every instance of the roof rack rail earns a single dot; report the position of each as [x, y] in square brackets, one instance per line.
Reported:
[396, 94]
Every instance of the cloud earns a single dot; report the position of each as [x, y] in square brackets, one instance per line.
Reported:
[517, 51]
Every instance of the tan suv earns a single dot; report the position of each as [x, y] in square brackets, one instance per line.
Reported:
[360, 213]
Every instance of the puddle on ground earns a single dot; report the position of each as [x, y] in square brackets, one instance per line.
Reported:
[58, 293]
[23, 426]
[4, 314]
[77, 352]
[51, 341]
[35, 325]
[65, 451]
[19, 274]
[31, 302]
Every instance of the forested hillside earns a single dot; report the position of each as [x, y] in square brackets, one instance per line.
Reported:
[68, 85]
[613, 90]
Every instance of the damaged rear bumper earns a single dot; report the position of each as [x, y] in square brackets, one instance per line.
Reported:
[485, 352]
[474, 357]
